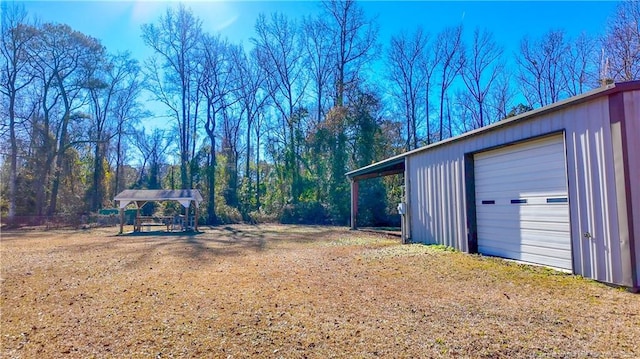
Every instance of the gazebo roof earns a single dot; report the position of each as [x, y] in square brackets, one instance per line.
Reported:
[184, 196]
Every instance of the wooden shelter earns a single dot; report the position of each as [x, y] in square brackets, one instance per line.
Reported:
[140, 197]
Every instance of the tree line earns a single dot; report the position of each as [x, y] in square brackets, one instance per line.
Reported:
[267, 131]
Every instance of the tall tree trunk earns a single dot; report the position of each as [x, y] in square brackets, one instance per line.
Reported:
[258, 171]
[61, 149]
[210, 128]
[57, 177]
[98, 176]
[211, 171]
[247, 199]
[43, 170]
[292, 164]
[426, 111]
[184, 150]
[13, 171]
[440, 136]
[116, 189]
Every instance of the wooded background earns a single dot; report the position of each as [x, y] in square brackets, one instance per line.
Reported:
[268, 131]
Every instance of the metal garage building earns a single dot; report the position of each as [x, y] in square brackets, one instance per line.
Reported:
[557, 186]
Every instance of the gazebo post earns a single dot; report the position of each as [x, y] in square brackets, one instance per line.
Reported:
[195, 204]
[185, 225]
[137, 227]
[121, 219]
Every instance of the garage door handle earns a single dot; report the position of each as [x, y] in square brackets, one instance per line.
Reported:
[587, 235]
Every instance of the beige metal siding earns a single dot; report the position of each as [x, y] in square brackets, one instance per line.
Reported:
[594, 215]
[438, 208]
[632, 115]
[436, 188]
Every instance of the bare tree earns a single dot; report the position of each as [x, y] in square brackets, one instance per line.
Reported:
[258, 129]
[356, 42]
[231, 127]
[152, 147]
[175, 40]
[355, 45]
[428, 64]
[61, 58]
[321, 52]
[481, 69]
[104, 82]
[127, 112]
[541, 68]
[252, 96]
[218, 82]
[580, 70]
[622, 42]
[280, 56]
[449, 57]
[501, 96]
[14, 77]
[408, 77]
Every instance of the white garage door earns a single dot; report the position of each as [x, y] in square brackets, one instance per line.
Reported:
[522, 203]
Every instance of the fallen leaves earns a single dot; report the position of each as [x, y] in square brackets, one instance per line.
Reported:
[293, 292]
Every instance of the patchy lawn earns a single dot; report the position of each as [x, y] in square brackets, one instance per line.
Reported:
[294, 292]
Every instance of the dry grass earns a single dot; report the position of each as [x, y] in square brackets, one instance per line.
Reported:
[294, 292]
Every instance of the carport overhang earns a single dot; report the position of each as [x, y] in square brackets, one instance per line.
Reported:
[391, 166]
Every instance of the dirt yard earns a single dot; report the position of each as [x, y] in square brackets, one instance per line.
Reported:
[294, 292]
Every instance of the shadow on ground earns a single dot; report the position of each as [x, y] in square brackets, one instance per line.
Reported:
[139, 249]
[218, 241]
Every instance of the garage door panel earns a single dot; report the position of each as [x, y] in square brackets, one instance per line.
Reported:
[521, 151]
[503, 205]
[517, 254]
[500, 217]
[556, 231]
[522, 204]
[530, 245]
[517, 170]
[526, 185]
[530, 250]
[531, 180]
[513, 168]
[529, 237]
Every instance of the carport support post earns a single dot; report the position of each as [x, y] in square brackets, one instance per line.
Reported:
[354, 203]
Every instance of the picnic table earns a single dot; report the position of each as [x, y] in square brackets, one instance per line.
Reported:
[172, 223]
[149, 221]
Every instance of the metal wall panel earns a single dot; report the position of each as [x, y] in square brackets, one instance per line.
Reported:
[594, 215]
[438, 208]
[435, 187]
[632, 126]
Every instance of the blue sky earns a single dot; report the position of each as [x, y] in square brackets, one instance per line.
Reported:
[117, 23]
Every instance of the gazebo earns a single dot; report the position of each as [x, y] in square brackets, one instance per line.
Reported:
[140, 197]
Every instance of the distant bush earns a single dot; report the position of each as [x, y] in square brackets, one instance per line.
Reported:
[227, 214]
[305, 213]
[261, 217]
